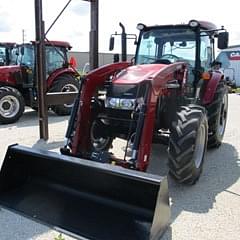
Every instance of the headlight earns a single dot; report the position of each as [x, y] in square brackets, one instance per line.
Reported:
[112, 102]
[120, 103]
[128, 104]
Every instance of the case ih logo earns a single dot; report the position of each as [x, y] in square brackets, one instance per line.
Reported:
[234, 55]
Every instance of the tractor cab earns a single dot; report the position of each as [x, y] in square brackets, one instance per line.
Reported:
[192, 43]
[55, 54]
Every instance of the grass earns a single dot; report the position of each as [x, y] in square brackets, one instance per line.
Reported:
[237, 90]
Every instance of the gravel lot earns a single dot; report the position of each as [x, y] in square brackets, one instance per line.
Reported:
[208, 210]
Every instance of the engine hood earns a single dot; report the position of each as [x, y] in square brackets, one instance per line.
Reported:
[138, 73]
[7, 74]
[157, 74]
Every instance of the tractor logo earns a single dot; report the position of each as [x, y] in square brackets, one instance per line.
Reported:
[234, 55]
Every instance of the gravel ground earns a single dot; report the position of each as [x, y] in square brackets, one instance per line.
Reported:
[208, 210]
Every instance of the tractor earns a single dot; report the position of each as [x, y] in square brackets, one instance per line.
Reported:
[170, 90]
[18, 87]
[169, 93]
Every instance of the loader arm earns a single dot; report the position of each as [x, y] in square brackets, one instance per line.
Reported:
[93, 80]
[159, 83]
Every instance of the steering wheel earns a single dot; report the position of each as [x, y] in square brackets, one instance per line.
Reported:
[170, 57]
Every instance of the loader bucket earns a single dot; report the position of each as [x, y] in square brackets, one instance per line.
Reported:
[84, 198]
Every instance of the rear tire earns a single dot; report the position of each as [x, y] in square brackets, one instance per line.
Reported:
[217, 116]
[187, 144]
[11, 105]
[64, 83]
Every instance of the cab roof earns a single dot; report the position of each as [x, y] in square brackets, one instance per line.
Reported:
[56, 44]
[203, 24]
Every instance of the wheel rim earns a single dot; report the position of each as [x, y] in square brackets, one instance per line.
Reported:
[69, 88]
[9, 106]
[200, 146]
[98, 142]
[223, 116]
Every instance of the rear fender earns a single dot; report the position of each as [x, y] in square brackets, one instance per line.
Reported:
[57, 73]
[94, 79]
[211, 87]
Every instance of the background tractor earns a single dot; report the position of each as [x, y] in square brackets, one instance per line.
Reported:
[170, 90]
[18, 87]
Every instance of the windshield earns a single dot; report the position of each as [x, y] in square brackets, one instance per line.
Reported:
[55, 58]
[167, 45]
[5, 55]
[24, 56]
[2, 56]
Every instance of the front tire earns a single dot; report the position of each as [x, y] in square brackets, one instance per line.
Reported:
[11, 105]
[217, 116]
[100, 141]
[64, 83]
[187, 144]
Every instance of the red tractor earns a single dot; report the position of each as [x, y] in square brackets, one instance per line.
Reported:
[18, 87]
[170, 90]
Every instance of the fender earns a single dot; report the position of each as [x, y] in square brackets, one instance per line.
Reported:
[211, 87]
[57, 73]
[8, 75]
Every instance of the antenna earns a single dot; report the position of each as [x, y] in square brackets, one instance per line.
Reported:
[23, 35]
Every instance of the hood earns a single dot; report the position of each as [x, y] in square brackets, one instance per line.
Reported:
[138, 73]
[7, 74]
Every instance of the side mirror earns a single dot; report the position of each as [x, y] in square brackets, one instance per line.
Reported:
[223, 40]
[22, 50]
[111, 44]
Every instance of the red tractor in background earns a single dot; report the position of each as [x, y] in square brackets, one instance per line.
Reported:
[18, 87]
[170, 90]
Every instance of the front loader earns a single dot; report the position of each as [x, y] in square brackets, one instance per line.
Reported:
[168, 92]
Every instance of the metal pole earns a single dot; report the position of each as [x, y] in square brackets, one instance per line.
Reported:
[93, 51]
[57, 17]
[41, 71]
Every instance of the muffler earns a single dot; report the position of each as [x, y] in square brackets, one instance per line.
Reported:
[84, 198]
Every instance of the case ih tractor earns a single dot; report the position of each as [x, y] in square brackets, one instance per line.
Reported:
[169, 90]
[18, 87]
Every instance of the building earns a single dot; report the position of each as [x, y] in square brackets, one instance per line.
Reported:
[230, 59]
[82, 59]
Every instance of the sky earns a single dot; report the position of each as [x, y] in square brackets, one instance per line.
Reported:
[74, 25]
